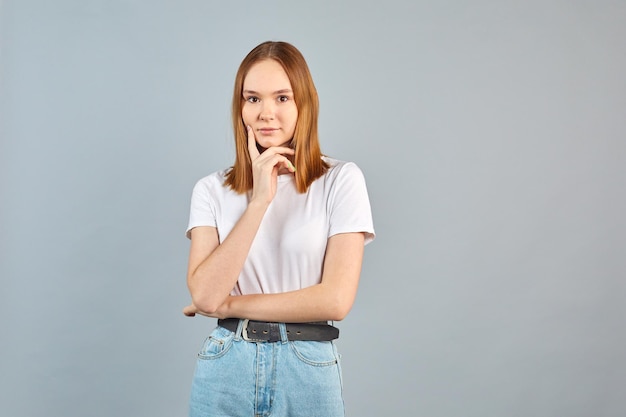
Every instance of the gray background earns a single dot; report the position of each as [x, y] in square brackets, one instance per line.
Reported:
[491, 134]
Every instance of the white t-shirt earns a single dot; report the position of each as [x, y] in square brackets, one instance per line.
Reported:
[288, 250]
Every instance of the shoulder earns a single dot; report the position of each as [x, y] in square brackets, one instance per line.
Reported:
[212, 183]
[341, 169]
[336, 166]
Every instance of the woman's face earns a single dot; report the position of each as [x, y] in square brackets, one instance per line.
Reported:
[269, 107]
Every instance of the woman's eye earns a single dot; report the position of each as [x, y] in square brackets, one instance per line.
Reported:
[252, 99]
[282, 99]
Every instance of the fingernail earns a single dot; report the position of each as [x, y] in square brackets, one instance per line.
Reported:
[294, 168]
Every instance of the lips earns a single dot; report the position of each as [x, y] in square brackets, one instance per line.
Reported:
[267, 130]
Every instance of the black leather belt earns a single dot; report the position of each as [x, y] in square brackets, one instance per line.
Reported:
[261, 331]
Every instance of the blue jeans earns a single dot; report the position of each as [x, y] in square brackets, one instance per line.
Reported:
[235, 378]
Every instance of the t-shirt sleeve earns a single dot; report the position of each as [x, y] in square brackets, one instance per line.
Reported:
[202, 211]
[349, 204]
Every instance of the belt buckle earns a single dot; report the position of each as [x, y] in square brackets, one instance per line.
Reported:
[244, 332]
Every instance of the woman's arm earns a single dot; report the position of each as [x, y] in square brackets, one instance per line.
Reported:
[332, 299]
[213, 267]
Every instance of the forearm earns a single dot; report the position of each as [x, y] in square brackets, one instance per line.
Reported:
[332, 299]
[214, 278]
[317, 303]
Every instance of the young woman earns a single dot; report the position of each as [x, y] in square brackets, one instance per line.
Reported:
[276, 250]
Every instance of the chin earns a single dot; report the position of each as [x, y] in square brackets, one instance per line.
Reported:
[274, 143]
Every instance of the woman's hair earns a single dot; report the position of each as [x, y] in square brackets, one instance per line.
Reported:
[305, 142]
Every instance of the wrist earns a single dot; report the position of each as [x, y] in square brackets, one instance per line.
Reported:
[258, 205]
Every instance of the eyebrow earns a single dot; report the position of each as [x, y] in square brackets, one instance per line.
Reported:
[284, 91]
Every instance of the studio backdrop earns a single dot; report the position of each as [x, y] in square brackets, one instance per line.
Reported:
[491, 136]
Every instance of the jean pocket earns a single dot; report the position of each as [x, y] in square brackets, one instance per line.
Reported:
[217, 344]
[315, 353]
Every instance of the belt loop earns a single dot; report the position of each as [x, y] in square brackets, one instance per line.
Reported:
[240, 327]
[283, 332]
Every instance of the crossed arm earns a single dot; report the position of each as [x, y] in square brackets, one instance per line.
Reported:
[214, 269]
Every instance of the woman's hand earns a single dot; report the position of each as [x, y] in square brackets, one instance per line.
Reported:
[265, 168]
[190, 311]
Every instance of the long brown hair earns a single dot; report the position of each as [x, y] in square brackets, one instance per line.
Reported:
[308, 156]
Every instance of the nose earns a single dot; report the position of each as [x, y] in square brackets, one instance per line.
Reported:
[267, 111]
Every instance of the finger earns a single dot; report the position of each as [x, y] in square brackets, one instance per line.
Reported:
[285, 162]
[268, 162]
[281, 150]
[189, 311]
[271, 153]
[252, 149]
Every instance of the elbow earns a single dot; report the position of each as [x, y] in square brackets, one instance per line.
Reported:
[339, 314]
[339, 309]
[206, 299]
[337, 317]
[207, 303]
[337, 302]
